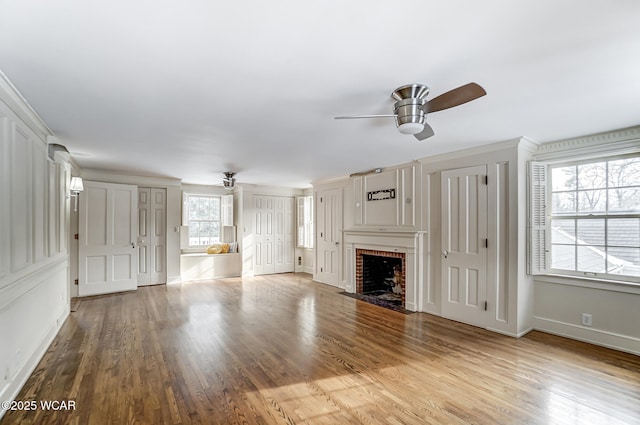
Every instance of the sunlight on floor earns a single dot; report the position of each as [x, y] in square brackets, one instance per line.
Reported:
[564, 406]
[376, 397]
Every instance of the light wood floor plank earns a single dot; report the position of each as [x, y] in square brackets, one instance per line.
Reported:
[282, 349]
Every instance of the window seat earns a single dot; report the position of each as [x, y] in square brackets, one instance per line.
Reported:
[202, 266]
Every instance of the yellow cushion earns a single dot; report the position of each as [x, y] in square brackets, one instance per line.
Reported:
[216, 248]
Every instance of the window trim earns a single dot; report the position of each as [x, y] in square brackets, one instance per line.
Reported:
[185, 215]
[540, 216]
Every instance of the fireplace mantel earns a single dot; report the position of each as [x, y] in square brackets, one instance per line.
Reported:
[412, 244]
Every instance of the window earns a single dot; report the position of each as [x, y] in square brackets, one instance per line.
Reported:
[202, 214]
[305, 222]
[593, 219]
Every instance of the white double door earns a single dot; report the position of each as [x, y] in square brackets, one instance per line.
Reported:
[152, 236]
[464, 245]
[274, 234]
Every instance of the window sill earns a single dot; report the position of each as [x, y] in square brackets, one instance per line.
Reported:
[204, 254]
[586, 282]
[197, 250]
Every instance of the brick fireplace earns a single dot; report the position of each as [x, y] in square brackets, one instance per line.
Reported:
[373, 270]
[408, 246]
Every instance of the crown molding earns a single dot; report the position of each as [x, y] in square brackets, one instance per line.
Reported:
[111, 177]
[477, 150]
[626, 140]
[21, 107]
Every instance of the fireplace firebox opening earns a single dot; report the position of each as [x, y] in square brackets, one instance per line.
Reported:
[381, 274]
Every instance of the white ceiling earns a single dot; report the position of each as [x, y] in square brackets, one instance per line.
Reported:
[189, 89]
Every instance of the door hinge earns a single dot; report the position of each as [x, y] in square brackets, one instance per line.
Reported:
[75, 281]
[75, 236]
[486, 306]
[486, 243]
[486, 179]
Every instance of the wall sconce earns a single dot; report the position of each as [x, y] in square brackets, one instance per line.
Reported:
[75, 188]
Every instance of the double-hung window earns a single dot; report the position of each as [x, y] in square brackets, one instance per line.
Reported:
[585, 218]
[305, 222]
[202, 213]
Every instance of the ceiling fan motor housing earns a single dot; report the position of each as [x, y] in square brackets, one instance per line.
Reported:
[409, 111]
[410, 91]
[410, 117]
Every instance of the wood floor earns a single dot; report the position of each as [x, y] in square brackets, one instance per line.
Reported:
[284, 350]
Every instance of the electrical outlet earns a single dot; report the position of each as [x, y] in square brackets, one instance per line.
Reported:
[586, 319]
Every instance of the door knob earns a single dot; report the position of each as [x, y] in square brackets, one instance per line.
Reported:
[445, 253]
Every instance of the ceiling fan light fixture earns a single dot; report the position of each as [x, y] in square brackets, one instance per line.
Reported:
[410, 128]
[229, 181]
[410, 117]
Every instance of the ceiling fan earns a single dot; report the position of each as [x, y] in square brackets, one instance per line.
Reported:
[411, 107]
[228, 181]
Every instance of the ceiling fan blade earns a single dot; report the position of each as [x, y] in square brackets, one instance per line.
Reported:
[425, 133]
[353, 117]
[454, 97]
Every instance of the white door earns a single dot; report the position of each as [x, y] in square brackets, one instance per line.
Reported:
[107, 256]
[152, 236]
[329, 236]
[464, 252]
[264, 235]
[284, 241]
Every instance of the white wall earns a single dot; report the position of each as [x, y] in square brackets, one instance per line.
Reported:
[615, 310]
[34, 244]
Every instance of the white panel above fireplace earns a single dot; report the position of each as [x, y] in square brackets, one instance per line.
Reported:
[386, 199]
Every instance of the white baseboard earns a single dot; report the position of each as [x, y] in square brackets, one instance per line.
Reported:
[10, 392]
[511, 334]
[611, 340]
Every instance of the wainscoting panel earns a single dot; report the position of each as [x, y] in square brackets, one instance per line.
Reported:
[20, 187]
[502, 255]
[5, 209]
[34, 261]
